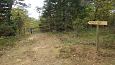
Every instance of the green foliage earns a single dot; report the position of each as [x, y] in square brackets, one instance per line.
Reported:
[22, 21]
[112, 20]
[59, 15]
[74, 15]
[6, 28]
[33, 23]
[19, 16]
[102, 9]
[7, 25]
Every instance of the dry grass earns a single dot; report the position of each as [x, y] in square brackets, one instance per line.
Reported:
[54, 49]
[86, 55]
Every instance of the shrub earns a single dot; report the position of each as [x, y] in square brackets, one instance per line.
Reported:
[6, 30]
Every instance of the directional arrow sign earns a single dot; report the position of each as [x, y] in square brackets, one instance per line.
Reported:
[97, 22]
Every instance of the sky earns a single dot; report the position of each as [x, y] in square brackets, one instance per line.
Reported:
[32, 10]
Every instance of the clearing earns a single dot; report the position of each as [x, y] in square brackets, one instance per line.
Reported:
[44, 49]
[38, 49]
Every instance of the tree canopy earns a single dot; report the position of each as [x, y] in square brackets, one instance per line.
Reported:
[65, 15]
[60, 14]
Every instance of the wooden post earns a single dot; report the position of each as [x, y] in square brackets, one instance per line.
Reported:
[97, 23]
[97, 38]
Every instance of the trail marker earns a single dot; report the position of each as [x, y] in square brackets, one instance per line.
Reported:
[97, 23]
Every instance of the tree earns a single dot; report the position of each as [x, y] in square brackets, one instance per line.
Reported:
[102, 9]
[60, 14]
[19, 17]
[5, 24]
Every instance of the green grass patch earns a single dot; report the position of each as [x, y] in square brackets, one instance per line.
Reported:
[9, 42]
[106, 38]
[80, 47]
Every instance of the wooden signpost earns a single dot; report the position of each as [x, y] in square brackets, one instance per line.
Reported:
[97, 23]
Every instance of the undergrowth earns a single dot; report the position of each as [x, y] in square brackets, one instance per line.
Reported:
[6, 43]
[81, 47]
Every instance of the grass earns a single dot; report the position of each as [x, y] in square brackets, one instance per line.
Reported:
[79, 46]
[81, 49]
[86, 55]
[6, 43]
[106, 38]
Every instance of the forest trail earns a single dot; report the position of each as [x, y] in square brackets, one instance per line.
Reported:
[38, 49]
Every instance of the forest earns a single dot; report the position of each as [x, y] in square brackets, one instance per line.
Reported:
[67, 32]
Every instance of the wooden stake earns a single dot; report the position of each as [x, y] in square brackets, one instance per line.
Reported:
[97, 38]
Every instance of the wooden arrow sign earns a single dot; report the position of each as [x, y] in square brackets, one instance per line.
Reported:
[97, 22]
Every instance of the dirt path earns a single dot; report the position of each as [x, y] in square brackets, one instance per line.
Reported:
[38, 49]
